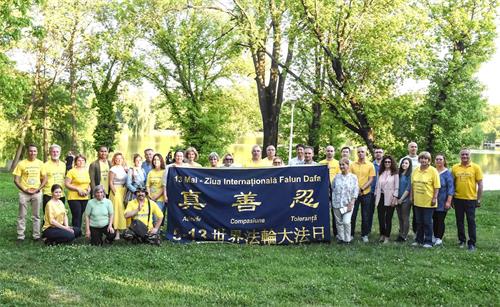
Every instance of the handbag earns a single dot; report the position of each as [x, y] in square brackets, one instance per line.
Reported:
[138, 227]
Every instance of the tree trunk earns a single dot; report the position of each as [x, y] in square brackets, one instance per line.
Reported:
[45, 146]
[24, 129]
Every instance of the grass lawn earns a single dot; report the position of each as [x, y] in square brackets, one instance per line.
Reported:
[225, 274]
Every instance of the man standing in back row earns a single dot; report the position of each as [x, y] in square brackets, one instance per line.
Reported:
[99, 170]
[299, 159]
[468, 191]
[55, 170]
[365, 172]
[333, 164]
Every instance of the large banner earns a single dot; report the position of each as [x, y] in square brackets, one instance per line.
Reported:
[275, 206]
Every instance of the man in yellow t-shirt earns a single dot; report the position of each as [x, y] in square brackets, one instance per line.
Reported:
[143, 209]
[333, 164]
[365, 172]
[99, 170]
[333, 169]
[256, 158]
[29, 178]
[55, 170]
[270, 154]
[468, 192]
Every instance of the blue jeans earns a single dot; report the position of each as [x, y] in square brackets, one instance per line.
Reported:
[366, 214]
[467, 208]
[162, 207]
[424, 224]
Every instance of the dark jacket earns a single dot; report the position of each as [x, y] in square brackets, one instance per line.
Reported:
[95, 174]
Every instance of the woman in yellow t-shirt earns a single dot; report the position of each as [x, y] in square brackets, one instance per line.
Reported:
[425, 185]
[78, 183]
[56, 229]
[155, 183]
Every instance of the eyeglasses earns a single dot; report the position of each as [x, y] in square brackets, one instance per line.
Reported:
[387, 162]
[228, 159]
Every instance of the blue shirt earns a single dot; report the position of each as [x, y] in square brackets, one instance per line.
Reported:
[147, 167]
[447, 188]
[135, 177]
[404, 185]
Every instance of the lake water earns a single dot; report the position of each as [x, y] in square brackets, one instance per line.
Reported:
[163, 141]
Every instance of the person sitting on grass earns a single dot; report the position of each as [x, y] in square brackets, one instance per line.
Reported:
[141, 210]
[99, 218]
[56, 229]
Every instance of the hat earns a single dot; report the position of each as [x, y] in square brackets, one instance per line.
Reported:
[141, 188]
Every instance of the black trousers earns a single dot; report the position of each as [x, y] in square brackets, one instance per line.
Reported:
[385, 214]
[77, 208]
[54, 235]
[438, 223]
[467, 208]
[97, 233]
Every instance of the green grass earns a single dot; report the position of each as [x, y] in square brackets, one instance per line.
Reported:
[225, 274]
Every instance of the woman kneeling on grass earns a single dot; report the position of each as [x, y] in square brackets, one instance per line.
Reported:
[56, 229]
[344, 193]
[99, 218]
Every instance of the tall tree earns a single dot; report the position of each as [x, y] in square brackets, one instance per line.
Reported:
[369, 46]
[267, 23]
[110, 47]
[192, 56]
[464, 35]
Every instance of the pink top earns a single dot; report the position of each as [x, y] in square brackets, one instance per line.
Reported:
[388, 185]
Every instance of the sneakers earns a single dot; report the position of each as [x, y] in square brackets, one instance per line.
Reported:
[415, 244]
[427, 246]
[438, 242]
[381, 239]
[461, 244]
[400, 239]
[386, 240]
[365, 239]
[471, 248]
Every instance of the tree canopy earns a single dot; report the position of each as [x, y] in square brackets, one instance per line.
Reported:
[221, 69]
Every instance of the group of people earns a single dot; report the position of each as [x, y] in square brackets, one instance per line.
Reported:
[410, 185]
[130, 201]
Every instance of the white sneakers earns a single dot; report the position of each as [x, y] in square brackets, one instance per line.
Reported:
[365, 239]
[438, 242]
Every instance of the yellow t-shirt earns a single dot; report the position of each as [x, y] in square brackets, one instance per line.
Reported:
[466, 178]
[143, 214]
[54, 210]
[55, 172]
[333, 168]
[104, 167]
[363, 171]
[423, 184]
[31, 173]
[155, 182]
[80, 178]
[259, 163]
[267, 162]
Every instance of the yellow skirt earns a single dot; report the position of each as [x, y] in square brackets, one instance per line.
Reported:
[117, 198]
